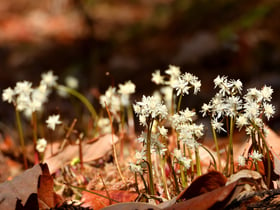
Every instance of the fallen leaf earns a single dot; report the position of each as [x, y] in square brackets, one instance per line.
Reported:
[205, 183]
[90, 152]
[21, 191]
[98, 202]
[216, 199]
[46, 196]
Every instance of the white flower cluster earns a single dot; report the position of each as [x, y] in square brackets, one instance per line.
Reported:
[125, 90]
[182, 83]
[149, 109]
[246, 111]
[182, 160]
[226, 102]
[156, 145]
[135, 168]
[256, 156]
[256, 105]
[28, 99]
[188, 131]
[111, 99]
[115, 98]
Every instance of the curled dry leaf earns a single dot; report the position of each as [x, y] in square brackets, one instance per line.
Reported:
[90, 152]
[247, 174]
[205, 183]
[23, 189]
[215, 199]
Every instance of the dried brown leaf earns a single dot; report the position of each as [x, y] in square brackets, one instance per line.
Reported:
[90, 152]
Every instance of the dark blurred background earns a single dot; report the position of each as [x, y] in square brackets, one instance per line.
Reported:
[106, 42]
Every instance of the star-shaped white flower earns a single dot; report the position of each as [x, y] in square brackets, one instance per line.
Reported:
[8, 95]
[52, 121]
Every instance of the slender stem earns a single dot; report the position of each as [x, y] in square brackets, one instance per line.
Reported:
[136, 183]
[192, 165]
[257, 166]
[213, 158]
[149, 159]
[21, 138]
[145, 184]
[268, 159]
[173, 172]
[217, 148]
[114, 147]
[105, 188]
[81, 150]
[231, 145]
[179, 102]
[82, 98]
[162, 161]
[197, 158]
[183, 180]
[35, 137]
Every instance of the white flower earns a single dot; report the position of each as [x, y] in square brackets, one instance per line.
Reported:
[111, 99]
[23, 102]
[8, 95]
[177, 154]
[196, 86]
[269, 110]
[241, 121]
[150, 107]
[104, 125]
[181, 86]
[217, 126]
[72, 82]
[126, 88]
[52, 121]
[23, 88]
[256, 156]
[205, 109]
[266, 93]
[173, 71]
[252, 110]
[140, 155]
[135, 168]
[234, 104]
[187, 115]
[253, 95]
[236, 86]
[241, 160]
[41, 145]
[49, 79]
[163, 131]
[157, 78]
[223, 84]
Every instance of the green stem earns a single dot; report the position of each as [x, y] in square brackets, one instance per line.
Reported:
[82, 98]
[35, 137]
[192, 164]
[197, 158]
[162, 161]
[21, 138]
[231, 146]
[149, 159]
[217, 148]
[179, 103]
[213, 158]
[268, 160]
[183, 180]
